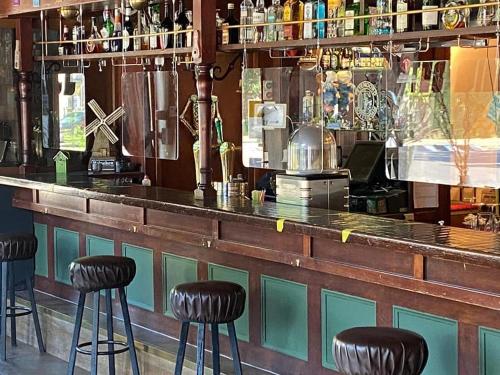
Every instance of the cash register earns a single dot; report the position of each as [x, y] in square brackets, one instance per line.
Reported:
[370, 190]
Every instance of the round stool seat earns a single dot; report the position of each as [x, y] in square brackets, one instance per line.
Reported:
[91, 274]
[379, 351]
[215, 302]
[17, 247]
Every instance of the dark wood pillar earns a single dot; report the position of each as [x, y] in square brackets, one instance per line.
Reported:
[204, 85]
[26, 127]
[24, 36]
[204, 56]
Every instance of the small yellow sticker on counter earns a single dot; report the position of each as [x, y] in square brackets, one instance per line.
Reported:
[345, 235]
[280, 223]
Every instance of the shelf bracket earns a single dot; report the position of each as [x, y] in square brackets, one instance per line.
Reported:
[217, 69]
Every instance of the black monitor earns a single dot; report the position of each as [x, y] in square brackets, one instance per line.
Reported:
[366, 162]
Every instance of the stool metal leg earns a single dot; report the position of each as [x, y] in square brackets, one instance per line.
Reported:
[76, 334]
[95, 333]
[234, 348]
[12, 298]
[3, 313]
[182, 348]
[128, 330]
[200, 353]
[215, 349]
[109, 326]
[34, 312]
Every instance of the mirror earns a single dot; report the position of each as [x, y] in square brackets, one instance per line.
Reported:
[63, 111]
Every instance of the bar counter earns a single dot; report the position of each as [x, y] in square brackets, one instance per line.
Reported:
[309, 273]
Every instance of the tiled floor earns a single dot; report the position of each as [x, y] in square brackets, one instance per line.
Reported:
[26, 360]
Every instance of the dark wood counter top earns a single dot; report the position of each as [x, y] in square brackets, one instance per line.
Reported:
[429, 240]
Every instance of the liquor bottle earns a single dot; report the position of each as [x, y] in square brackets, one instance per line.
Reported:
[453, 18]
[167, 25]
[309, 13]
[335, 59]
[430, 19]
[91, 46]
[340, 27]
[485, 14]
[401, 19]
[75, 37]
[351, 26]
[333, 9]
[107, 29]
[154, 27]
[128, 30]
[246, 18]
[274, 15]
[181, 23]
[144, 31]
[326, 59]
[66, 48]
[230, 36]
[259, 16]
[293, 11]
[189, 27]
[384, 23]
[320, 14]
[219, 22]
[116, 44]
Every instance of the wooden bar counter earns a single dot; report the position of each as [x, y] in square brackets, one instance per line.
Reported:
[309, 273]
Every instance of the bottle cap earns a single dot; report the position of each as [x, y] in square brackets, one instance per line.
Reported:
[230, 5]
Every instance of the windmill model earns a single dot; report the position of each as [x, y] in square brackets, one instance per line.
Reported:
[102, 125]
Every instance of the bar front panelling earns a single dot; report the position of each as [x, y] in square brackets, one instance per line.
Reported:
[66, 249]
[489, 351]
[140, 292]
[284, 316]
[41, 257]
[176, 270]
[441, 335]
[224, 273]
[339, 312]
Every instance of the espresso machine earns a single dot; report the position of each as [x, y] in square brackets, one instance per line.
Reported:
[313, 178]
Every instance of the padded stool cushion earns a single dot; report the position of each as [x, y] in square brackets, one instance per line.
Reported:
[379, 351]
[208, 302]
[91, 274]
[17, 246]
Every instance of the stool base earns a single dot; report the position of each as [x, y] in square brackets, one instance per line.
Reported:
[94, 352]
[200, 354]
[11, 311]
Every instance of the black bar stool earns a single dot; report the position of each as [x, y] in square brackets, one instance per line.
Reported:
[91, 275]
[208, 302]
[15, 247]
[379, 350]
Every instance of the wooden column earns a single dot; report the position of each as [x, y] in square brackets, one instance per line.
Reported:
[204, 54]
[24, 37]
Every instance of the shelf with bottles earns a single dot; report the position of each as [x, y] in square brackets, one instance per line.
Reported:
[345, 25]
[122, 32]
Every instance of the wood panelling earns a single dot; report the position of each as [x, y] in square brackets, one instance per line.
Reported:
[440, 334]
[41, 257]
[23, 194]
[262, 237]
[463, 274]
[67, 202]
[66, 249]
[176, 270]
[372, 257]
[341, 311]
[140, 292]
[489, 351]
[186, 223]
[115, 210]
[240, 277]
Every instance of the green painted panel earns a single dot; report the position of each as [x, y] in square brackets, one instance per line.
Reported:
[177, 270]
[340, 312]
[66, 249]
[97, 246]
[441, 335]
[41, 257]
[235, 275]
[141, 291]
[489, 351]
[284, 316]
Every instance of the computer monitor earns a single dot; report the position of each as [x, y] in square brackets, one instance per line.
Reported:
[366, 162]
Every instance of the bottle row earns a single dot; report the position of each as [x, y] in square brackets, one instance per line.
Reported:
[134, 31]
[316, 10]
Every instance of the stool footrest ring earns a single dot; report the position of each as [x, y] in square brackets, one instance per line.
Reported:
[13, 311]
[79, 348]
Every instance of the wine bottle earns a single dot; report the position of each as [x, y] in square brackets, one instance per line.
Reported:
[167, 25]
